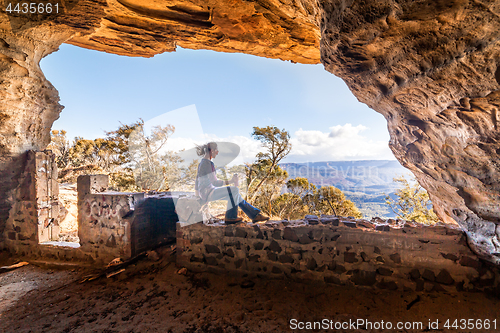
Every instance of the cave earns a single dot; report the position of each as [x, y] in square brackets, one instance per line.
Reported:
[431, 68]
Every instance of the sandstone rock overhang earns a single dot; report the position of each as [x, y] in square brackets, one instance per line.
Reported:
[430, 67]
[262, 28]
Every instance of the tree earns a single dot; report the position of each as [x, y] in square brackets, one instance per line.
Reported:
[133, 160]
[109, 155]
[152, 166]
[60, 147]
[330, 200]
[412, 203]
[291, 205]
[265, 192]
[277, 145]
[98, 152]
[185, 180]
[123, 181]
[300, 186]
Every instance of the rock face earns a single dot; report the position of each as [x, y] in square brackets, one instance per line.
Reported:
[28, 107]
[430, 67]
[275, 29]
[29, 104]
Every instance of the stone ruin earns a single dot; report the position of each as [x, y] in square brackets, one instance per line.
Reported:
[392, 254]
[110, 224]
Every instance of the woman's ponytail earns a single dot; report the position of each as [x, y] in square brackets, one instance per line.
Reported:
[200, 150]
[203, 149]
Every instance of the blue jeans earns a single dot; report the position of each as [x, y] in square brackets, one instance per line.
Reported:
[234, 200]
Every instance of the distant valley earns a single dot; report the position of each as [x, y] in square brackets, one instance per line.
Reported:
[364, 182]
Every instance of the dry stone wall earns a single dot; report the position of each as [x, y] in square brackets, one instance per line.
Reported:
[377, 254]
[122, 225]
[104, 219]
[339, 251]
[35, 216]
[110, 224]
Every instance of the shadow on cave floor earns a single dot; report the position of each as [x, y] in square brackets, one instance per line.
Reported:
[153, 295]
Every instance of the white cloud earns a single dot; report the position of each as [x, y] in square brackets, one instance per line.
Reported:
[343, 142]
[310, 138]
[346, 131]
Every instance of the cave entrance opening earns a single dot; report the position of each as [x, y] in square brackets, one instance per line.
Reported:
[55, 215]
[336, 140]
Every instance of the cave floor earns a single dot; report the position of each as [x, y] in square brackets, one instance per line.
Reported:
[156, 296]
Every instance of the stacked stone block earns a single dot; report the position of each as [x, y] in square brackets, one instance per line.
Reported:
[339, 251]
[104, 219]
[110, 224]
[122, 225]
[34, 216]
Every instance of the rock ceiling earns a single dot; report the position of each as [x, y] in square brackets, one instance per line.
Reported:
[263, 28]
[430, 67]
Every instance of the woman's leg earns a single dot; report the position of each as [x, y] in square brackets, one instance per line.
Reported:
[248, 209]
[225, 193]
[234, 199]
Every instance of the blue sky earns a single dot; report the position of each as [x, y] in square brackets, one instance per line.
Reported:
[229, 93]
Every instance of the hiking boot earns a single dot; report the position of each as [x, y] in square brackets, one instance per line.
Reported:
[233, 221]
[260, 218]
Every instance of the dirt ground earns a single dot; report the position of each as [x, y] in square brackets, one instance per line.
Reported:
[69, 225]
[153, 295]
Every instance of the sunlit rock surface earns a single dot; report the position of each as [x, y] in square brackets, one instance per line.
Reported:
[274, 29]
[430, 67]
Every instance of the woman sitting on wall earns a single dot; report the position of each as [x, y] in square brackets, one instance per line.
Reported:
[209, 188]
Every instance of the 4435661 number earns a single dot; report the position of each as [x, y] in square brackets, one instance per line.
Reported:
[32, 8]
[471, 324]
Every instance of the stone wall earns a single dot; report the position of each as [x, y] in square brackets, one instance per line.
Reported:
[122, 225]
[104, 219]
[110, 224]
[340, 251]
[34, 217]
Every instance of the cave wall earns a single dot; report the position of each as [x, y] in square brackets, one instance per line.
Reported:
[28, 107]
[430, 67]
[280, 29]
